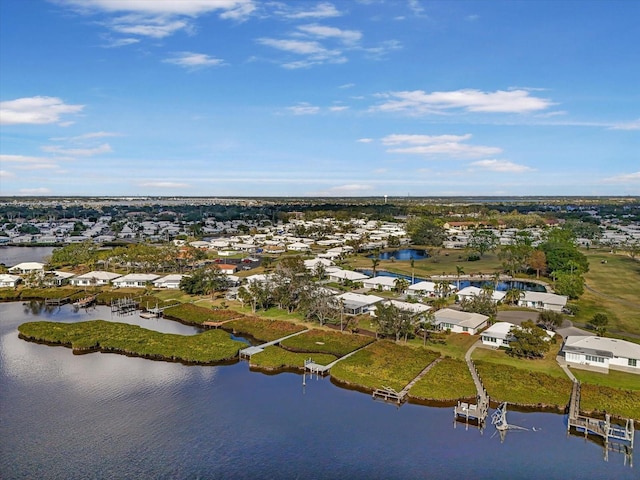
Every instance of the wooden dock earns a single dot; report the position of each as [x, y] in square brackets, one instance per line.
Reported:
[85, 302]
[388, 394]
[469, 411]
[312, 367]
[124, 306]
[247, 352]
[57, 301]
[616, 437]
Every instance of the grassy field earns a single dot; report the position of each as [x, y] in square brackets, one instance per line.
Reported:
[448, 380]
[597, 399]
[326, 341]
[206, 348]
[383, 363]
[262, 329]
[614, 379]
[455, 344]
[275, 358]
[547, 365]
[618, 281]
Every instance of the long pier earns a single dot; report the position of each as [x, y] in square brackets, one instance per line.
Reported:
[388, 394]
[470, 411]
[318, 369]
[615, 437]
[247, 352]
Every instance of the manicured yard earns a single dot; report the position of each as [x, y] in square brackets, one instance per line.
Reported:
[448, 380]
[383, 363]
[208, 347]
[453, 345]
[547, 365]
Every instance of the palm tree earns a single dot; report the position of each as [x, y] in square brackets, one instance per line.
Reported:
[513, 295]
[443, 288]
[439, 303]
[375, 261]
[496, 280]
[459, 271]
[400, 284]
[412, 275]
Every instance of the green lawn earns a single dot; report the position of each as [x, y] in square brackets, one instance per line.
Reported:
[619, 402]
[383, 363]
[547, 365]
[455, 344]
[263, 329]
[190, 313]
[614, 379]
[448, 380]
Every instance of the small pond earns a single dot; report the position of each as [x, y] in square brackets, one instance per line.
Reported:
[402, 254]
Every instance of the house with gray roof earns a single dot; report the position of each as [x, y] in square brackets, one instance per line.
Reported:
[602, 353]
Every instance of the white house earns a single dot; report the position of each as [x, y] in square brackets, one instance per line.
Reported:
[344, 275]
[312, 264]
[605, 353]
[426, 288]
[460, 322]
[418, 309]
[380, 283]
[498, 334]
[7, 280]
[170, 281]
[298, 247]
[96, 278]
[27, 267]
[543, 301]
[356, 304]
[136, 280]
[471, 291]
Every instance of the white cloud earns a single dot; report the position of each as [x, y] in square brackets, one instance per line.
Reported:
[380, 171]
[162, 184]
[322, 10]
[435, 145]
[365, 140]
[501, 166]
[448, 149]
[353, 188]
[304, 109]
[338, 108]
[86, 136]
[397, 139]
[418, 102]
[157, 19]
[347, 85]
[345, 36]
[624, 178]
[24, 162]
[382, 50]
[314, 52]
[78, 152]
[633, 125]
[6, 174]
[35, 110]
[194, 61]
[120, 42]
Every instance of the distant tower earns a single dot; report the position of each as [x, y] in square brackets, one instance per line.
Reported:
[385, 199]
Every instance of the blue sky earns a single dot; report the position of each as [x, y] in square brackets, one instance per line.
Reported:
[306, 98]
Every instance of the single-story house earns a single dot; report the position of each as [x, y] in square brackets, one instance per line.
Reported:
[298, 247]
[344, 275]
[380, 283]
[543, 301]
[601, 352]
[27, 267]
[7, 280]
[57, 278]
[96, 278]
[460, 322]
[228, 268]
[312, 264]
[170, 281]
[416, 308]
[471, 291]
[497, 335]
[426, 288]
[136, 280]
[356, 303]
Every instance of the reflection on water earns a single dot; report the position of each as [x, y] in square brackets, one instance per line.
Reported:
[64, 416]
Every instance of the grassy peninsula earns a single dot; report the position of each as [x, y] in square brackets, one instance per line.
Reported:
[98, 335]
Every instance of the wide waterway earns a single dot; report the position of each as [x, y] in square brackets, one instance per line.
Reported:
[64, 416]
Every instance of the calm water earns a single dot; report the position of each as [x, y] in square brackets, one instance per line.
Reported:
[502, 286]
[11, 256]
[109, 416]
[403, 254]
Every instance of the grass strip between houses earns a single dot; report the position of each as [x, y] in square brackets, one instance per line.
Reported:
[209, 347]
[383, 364]
[448, 380]
[326, 341]
[275, 358]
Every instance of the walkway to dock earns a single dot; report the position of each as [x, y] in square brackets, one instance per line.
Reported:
[389, 394]
[480, 409]
[247, 352]
[324, 369]
[616, 437]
